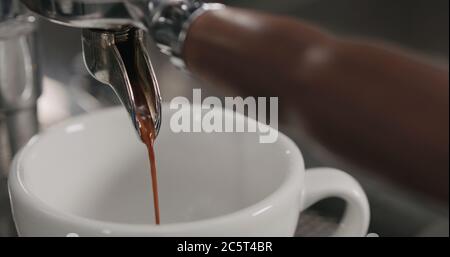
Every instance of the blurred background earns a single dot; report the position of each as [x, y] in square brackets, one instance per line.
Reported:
[419, 25]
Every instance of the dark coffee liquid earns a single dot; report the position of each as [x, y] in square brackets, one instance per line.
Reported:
[147, 130]
[140, 91]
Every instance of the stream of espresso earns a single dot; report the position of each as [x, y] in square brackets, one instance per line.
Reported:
[147, 130]
[148, 135]
[128, 45]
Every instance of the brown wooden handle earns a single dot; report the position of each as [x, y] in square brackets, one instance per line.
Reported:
[373, 105]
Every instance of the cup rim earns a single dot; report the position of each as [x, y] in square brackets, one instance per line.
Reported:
[293, 179]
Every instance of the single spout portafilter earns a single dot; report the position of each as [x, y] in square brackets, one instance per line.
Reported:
[119, 58]
[114, 42]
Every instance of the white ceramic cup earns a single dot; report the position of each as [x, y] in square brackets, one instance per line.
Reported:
[89, 176]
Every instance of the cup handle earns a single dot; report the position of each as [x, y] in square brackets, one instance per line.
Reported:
[321, 183]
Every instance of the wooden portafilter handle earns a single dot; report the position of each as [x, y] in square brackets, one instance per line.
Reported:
[373, 105]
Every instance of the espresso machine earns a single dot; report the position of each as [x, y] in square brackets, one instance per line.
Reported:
[111, 27]
[266, 54]
[114, 40]
[114, 35]
[19, 80]
[20, 87]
